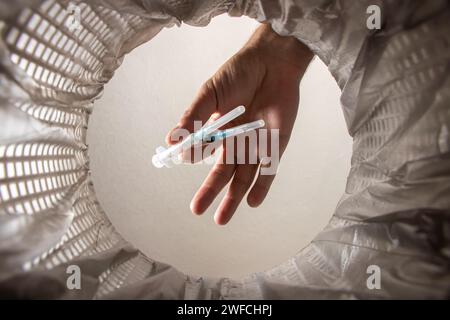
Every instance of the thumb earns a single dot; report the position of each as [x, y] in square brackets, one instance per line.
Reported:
[204, 105]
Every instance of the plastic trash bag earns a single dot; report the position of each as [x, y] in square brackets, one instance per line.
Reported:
[392, 220]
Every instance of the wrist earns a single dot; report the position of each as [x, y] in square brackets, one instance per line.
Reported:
[280, 50]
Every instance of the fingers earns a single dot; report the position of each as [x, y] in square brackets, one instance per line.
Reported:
[216, 180]
[259, 190]
[204, 105]
[263, 182]
[242, 177]
[242, 180]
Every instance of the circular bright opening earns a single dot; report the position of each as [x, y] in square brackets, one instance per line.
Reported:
[150, 206]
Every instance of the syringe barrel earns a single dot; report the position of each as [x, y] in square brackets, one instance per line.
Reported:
[233, 114]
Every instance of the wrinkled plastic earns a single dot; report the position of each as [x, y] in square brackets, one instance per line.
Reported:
[395, 210]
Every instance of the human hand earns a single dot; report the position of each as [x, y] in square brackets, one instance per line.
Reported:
[264, 76]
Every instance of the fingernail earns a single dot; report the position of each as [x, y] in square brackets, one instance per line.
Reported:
[169, 139]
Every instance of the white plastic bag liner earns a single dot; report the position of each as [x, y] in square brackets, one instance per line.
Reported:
[394, 213]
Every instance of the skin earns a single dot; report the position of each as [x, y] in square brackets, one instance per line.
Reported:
[264, 76]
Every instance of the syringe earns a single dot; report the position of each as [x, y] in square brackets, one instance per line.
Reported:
[223, 134]
[207, 134]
